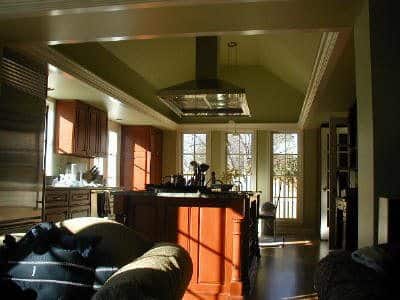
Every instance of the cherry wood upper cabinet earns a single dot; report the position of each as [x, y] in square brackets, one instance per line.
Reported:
[102, 127]
[92, 135]
[141, 156]
[80, 129]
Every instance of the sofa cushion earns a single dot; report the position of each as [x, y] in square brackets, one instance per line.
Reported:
[339, 277]
[163, 272]
[119, 245]
[47, 263]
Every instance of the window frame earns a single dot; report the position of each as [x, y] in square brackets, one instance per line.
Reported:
[300, 191]
[180, 152]
[117, 157]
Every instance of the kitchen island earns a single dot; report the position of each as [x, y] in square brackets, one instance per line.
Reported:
[219, 230]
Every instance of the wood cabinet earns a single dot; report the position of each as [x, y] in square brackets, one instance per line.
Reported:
[219, 233]
[80, 129]
[141, 156]
[62, 204]
[102, 134]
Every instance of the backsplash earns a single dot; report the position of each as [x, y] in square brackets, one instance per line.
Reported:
[61, 161]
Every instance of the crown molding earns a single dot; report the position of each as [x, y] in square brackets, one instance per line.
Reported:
[55, 58]
[240, 126]
[327, 45]
[11, 9]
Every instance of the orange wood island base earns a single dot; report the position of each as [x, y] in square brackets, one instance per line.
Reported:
[218, 230]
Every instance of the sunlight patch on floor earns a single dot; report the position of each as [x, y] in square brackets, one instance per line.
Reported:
[312, 296]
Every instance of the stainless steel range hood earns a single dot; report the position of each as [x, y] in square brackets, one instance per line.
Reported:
[206, 95]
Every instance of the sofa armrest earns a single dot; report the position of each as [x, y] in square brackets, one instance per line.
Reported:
[163, 272]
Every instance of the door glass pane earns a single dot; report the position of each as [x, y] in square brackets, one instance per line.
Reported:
[245, 143]
[279, 164]
[279, 140]
[188, 143]
[187, 168]
[200, 158]
[291, 143]
[201, 143]
[233, 143]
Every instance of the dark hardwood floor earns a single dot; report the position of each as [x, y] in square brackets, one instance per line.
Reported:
[287, 273]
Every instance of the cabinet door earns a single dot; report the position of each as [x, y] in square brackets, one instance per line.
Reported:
[126, 172]
[92, 131]
[79, 197]
[81, 129]
[127, 142]
[57, 214]
[65, 127]
[79, 211]
[56, 199]
[102, 134]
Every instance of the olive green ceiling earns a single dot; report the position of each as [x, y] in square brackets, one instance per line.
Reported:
[164, 62]
[274, 69]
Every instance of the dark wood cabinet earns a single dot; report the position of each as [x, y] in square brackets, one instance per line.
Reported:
[80, 140]
[80, 129]
[102, 134]
[141, 156]
[79, 211]
[62, 204]
[92, 135]
[219, 233]
[57, 214]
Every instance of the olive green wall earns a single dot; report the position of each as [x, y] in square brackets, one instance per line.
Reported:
[169, 152]
[365, 128]
[311, 181]
[310, 224]
[101, 62]
[263, 163]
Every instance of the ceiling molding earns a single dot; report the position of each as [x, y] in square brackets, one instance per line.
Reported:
[53, 57]
[32, 8]
[240, 126]
[113, 23]
[327, 45]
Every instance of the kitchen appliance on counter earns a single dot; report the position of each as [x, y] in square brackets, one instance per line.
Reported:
[199, 174]
[197, 182]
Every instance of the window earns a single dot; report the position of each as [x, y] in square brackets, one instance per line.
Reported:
[50, 137]
[112, 158]
[285, 174]
[194, 147]
[99, 163]
[239, 159]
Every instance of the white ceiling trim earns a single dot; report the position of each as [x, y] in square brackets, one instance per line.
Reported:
[11, 9]
[327, 45]
[240, 126]
[53, 57]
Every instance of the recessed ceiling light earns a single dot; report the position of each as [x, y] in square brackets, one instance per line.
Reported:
[118, 119]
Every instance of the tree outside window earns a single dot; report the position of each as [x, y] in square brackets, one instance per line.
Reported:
[194, 147]
[239, 159]
[285, 174]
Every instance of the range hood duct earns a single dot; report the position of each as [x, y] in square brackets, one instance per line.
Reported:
[206, 95]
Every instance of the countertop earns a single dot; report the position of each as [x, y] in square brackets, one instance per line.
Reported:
[92, 188]
[212, 195]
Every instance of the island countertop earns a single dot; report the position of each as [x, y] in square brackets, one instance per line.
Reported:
[212, 195]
